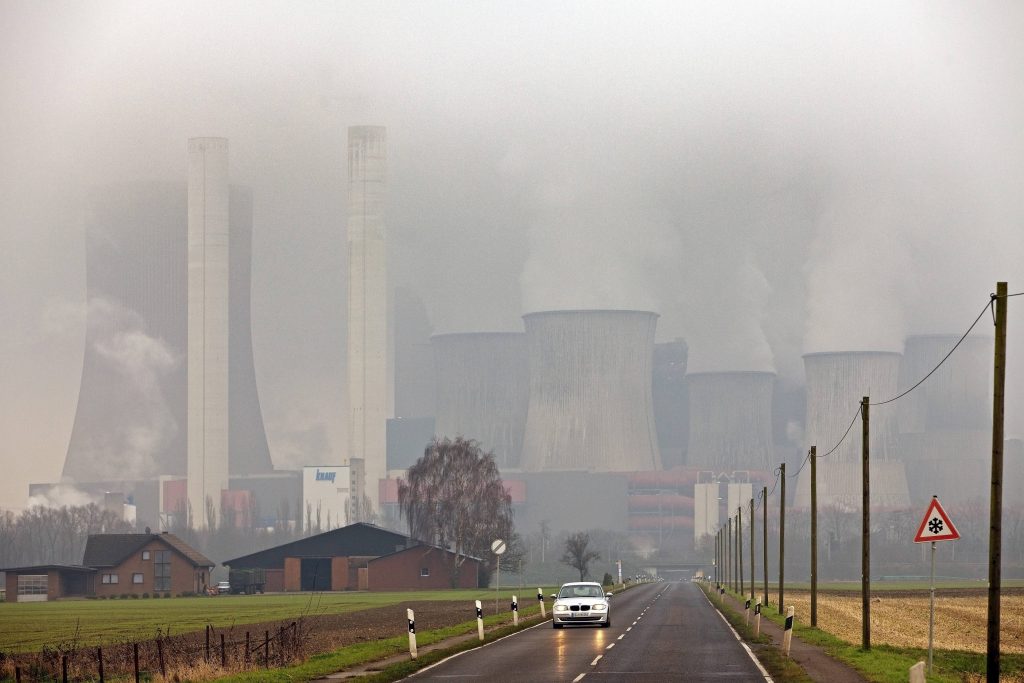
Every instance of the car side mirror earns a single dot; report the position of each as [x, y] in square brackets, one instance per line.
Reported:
[608, 595]
[554, 596]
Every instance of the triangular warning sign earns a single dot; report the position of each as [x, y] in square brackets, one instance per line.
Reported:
[936, 525]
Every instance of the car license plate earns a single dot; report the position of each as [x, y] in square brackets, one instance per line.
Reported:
[583, 614]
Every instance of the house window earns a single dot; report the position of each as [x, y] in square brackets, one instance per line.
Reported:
[424, 571]
[145, 554]
[136, 578]
[32, 584]
[108, 578]
[162, 570]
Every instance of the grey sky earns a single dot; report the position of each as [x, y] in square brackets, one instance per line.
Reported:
[770, 178]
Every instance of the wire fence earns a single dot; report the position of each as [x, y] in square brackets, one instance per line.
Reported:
[188, 656]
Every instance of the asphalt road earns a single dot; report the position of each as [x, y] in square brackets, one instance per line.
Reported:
[660, 632]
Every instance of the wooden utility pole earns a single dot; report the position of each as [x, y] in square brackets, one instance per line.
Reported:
[782, 539]
[814, 535]
[865, 534]
[995, 524]
[739, 547]
[729, 553]
[753, 576]
[764, 538]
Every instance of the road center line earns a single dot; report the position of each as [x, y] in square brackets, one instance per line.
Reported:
[610, 646]
[629, 628]
[578, 678]
[596, 659]
[621, 637]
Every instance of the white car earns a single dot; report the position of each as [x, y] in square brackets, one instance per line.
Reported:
[581, 603]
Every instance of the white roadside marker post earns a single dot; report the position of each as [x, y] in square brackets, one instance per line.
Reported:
[757, 618]
[917, 673]
[412, 632]
[515, 611]
[787, 635]
[746, 611]
[479, 620]
[540, 599]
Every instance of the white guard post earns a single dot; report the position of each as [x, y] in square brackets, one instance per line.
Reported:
[412, 632]
[479, 620]
[515, 611]
[540, 599]
[746, 611]
[787, 635]
[757, 618]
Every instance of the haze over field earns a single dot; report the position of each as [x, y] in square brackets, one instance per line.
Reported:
[771, 179]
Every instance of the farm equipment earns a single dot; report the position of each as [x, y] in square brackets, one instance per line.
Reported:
[247, 581]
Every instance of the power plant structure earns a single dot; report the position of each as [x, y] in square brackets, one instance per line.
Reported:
[208, 352]
[731, 421]
[836, 383]
[945, 424]
[485, 390]
[368, 331]
[590, 402]
[133, 415]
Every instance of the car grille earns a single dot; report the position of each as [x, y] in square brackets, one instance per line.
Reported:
[578, 608]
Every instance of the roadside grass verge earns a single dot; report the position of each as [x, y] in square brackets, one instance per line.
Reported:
[27, 627]
[780, 667]
[891, 664]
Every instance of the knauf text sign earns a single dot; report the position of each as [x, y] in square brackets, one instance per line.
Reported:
[325, 476]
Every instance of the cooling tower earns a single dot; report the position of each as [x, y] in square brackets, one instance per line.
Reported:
[368, 340]
[130, 423]
[945, 424]
[484, 389]
[590, 405]
[836, 383]
[730, 420]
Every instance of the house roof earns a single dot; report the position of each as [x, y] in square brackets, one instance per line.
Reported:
[355, 540]
[110, 550]
[428, 547]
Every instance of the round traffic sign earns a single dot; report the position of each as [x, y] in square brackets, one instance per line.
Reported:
[498, 547]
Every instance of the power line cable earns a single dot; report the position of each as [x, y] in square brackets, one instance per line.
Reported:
[988, 305]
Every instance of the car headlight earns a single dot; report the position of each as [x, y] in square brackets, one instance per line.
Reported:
[599, 606]
[561, 608]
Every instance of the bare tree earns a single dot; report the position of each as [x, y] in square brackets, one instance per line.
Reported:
[578, 554]
[454, 498]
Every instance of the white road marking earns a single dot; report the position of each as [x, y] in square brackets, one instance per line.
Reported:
[610, 646]
[596, 659]
[578, 678]
[629, 628]
[621, 637]
[737, 635]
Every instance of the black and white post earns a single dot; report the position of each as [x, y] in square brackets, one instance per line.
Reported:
[479, 620]
[515, 611]
[757, 618]
[412, 632]
[540, 599]
[787, 635]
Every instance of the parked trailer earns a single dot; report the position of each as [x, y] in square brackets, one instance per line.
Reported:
[247, 581]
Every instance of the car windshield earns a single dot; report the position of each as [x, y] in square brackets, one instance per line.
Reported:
[581, 592]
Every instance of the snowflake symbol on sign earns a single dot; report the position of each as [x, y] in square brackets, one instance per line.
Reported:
[935, 525]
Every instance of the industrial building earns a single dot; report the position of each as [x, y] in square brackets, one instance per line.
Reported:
[731, 421]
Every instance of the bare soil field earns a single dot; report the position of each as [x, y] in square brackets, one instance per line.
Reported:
[900, 618]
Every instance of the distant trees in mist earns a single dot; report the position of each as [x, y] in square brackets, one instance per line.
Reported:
[48, 535]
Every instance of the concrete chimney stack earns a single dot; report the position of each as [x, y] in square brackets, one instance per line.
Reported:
[368, 334]
[208, 291]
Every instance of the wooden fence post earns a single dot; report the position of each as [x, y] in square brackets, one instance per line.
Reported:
[207, 642]
[99, 661]
[223, 653]
[266, 649]
[245, 656]
[280, 643]
[63, 669]
[135, 660]
[160, 656]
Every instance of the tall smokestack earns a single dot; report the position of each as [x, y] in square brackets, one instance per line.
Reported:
[208, 292]
[368, 341]
[485, 390]
[836, 382]
[590, 404]
[730, 421]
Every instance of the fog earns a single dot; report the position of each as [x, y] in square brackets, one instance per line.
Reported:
[772, 179]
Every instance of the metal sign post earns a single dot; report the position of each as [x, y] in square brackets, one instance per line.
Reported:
[498, 548]
[936, 526]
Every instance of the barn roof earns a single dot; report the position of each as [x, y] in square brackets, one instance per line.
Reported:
[360, 539]
[110, 550]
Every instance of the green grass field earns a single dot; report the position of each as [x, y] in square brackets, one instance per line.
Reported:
[30, 626]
